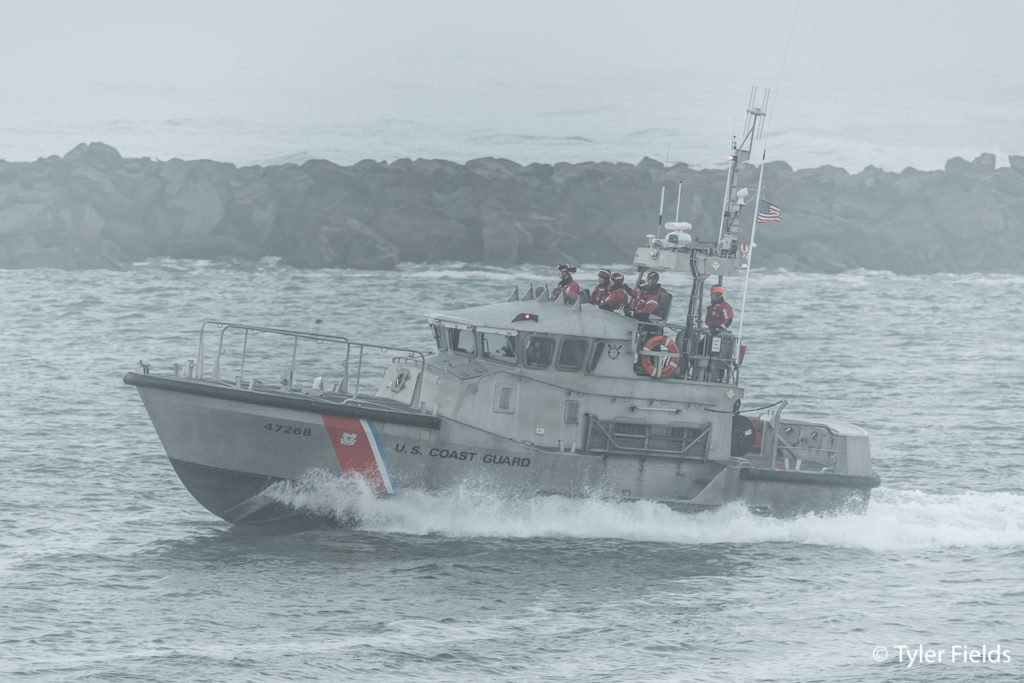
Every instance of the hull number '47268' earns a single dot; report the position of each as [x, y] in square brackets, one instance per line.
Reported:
[289, 429]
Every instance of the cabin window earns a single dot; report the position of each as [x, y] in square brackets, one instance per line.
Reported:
[462, 341]
[439, 337]
[498, 347]
[572, 353]
[595, 356]
[539, 351]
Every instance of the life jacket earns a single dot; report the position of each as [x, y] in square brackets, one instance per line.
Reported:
[645, 304]
[599, 294]
[718, 315]
[617, 299]
[570, 290]
[655, 302]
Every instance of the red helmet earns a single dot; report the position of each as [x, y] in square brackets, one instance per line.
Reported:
[566, 266]
[653, 277]
[603, 274]
[718, 289]
[618, 278]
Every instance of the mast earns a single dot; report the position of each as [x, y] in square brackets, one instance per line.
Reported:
[679, 251]
[740, 153]
[753, 229]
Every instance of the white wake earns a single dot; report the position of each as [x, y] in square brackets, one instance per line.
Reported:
[896, 519]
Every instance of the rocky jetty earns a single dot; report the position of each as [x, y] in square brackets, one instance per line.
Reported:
[92, 208]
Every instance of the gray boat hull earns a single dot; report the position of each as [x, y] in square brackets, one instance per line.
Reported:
[229, 445]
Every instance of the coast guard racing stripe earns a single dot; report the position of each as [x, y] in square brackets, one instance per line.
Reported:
[360, 451]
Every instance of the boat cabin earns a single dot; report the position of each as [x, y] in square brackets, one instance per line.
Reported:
[538, 336]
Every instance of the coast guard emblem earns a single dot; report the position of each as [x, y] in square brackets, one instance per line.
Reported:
[614, 350]
[348, 439]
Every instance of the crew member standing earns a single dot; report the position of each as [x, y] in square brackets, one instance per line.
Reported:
[604, 284]
[719, 313]
[567, 287]
[648, 298]
[618, 294]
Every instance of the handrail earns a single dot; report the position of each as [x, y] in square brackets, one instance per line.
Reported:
[776, 417]
[696, 361]
[348, 372]
[822, 456]
[255, 328]
[780, 447]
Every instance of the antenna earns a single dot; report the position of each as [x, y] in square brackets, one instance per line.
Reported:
[750, 250]
[759, 112]
[740, 153]
[785, 54]
[661, 209]
[764, 152]
[679, 199]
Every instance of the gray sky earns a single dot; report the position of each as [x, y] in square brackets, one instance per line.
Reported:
[71, 64]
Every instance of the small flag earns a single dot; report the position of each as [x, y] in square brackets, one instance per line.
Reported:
[768, 212]
[744, 252]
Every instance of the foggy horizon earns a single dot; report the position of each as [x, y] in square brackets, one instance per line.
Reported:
[909, 83]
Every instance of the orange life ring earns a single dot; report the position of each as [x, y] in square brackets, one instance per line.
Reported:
[659, 345]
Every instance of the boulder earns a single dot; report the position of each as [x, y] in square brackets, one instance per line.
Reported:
[93, 208]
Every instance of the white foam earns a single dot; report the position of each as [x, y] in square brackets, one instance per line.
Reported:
[896, 520]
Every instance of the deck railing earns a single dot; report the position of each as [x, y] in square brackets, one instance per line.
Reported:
[324, 362]
[707, 357]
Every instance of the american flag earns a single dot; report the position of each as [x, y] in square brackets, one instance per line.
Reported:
[768, 212]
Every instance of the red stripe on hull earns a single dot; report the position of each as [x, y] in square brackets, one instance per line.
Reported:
[354, 446]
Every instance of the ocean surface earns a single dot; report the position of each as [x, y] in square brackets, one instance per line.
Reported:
[109, 570]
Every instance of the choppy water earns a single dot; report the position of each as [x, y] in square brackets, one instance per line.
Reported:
[111, 571]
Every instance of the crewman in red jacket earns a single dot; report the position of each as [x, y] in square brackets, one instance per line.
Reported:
[604, 284]
[719, 313]
[567, 287]
[647, 301]
[618, 294]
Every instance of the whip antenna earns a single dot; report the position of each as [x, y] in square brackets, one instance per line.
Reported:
[661, 209]
[785, 56]
[762, 134]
